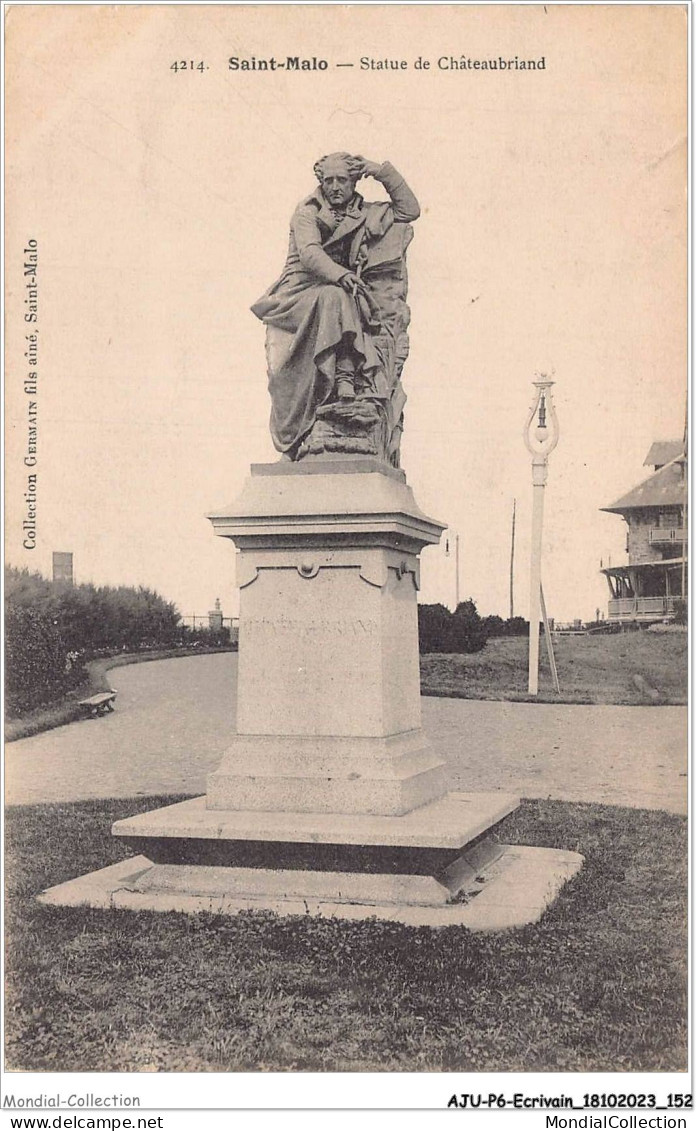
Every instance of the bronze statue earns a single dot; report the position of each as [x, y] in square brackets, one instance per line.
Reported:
[337, 317]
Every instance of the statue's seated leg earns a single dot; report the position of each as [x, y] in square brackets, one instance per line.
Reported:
[338, 320]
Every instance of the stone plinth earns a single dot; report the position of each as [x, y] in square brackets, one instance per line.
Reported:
[328, 696]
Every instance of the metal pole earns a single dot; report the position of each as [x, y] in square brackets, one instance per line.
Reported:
[549, 642]
[512, 561]
[539, 481]
[456, 566]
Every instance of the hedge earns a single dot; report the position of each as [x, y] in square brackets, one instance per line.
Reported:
[53, 628]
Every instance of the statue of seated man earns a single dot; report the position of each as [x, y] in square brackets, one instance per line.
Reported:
[336, 304]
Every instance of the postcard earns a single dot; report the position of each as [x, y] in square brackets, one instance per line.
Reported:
[326, 322]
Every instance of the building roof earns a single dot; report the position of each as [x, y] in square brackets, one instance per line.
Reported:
[664, 488]
[662, 452]
[620, 571]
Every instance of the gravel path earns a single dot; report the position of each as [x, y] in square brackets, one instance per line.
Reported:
[172, 717]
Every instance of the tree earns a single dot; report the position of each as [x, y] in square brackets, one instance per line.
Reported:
[494, 626]
[439, 630]
[469, 631]
[47, 620]
[39, 669]
[516, 626]
[433, 628]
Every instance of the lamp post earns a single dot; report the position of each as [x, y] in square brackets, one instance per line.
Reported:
[540, 436]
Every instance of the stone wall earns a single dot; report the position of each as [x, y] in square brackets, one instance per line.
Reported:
[639, 547]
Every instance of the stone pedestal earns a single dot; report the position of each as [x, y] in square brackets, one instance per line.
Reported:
[328, 715]
[329, 798]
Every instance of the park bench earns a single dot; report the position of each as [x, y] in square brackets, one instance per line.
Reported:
[99, 704]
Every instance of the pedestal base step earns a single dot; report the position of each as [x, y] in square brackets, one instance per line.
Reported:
[437, 865]
[448, 823]
[513, 888]
[403, 789]
[376, 776]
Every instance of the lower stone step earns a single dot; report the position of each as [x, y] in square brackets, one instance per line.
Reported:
[439, 864]
[511, 889]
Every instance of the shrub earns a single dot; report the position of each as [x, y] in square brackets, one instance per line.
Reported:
[91, 618]
[39, 667]
[433, 628]
[516, 626]
[469, 631]
[513, 626]
[439, 630]
[494, 626]
[53, 628]
[207, 637]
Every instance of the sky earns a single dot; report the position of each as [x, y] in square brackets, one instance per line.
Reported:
[552, 239]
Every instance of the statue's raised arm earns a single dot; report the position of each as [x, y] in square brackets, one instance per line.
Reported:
[337, 316]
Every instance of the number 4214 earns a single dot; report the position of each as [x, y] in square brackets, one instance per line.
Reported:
[188, 65]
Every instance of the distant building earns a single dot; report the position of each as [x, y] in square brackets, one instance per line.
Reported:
[655, 576]
[63, 567]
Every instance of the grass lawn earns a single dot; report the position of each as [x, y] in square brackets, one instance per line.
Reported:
[599, 984]
[591, 669]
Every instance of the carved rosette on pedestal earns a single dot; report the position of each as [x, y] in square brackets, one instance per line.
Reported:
[329, 798]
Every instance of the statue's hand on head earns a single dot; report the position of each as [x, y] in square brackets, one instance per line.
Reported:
[368, 168]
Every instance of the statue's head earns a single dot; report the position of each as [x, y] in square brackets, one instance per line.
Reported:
[338, 174]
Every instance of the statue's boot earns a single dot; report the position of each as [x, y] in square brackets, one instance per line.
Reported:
[345, 379]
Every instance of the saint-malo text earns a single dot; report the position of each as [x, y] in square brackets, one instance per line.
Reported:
[289, 63]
